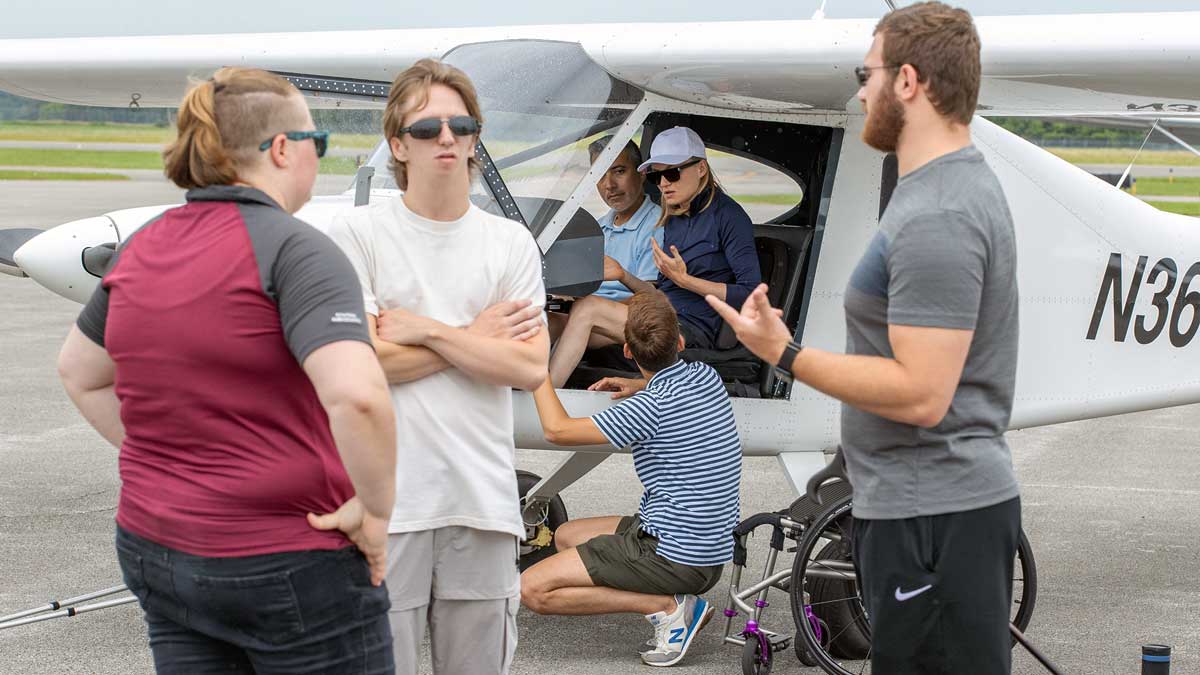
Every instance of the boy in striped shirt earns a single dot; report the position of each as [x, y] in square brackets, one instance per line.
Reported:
[687, 454]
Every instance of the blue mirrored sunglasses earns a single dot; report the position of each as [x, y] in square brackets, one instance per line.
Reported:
[320, 140]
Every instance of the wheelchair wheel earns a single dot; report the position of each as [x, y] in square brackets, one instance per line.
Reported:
[824, 582]
[756, 656]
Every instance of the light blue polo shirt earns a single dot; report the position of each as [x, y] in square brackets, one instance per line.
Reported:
[629, 244]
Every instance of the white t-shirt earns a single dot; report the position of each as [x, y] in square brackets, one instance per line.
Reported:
[455, 435]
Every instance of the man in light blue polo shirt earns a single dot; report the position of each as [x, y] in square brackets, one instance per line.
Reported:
[629, 225]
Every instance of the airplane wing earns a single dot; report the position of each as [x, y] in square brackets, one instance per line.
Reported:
[1090, 64]
[1033, 65]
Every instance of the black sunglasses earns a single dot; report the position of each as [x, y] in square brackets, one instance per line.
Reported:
[671, 174]
[431, 127]
[863, 73]
[320, 140]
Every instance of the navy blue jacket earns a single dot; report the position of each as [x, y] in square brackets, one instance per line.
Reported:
[718, 245]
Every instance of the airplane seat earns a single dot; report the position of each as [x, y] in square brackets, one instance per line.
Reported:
[741, 370]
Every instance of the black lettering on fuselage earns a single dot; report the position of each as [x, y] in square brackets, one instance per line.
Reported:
[1168, 303]
[1122, 309]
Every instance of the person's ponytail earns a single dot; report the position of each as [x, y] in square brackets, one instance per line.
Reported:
[197, 158]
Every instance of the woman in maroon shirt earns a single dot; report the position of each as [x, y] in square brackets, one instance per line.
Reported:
[226, 355]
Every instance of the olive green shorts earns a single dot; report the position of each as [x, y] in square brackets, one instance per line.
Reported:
[628, 560]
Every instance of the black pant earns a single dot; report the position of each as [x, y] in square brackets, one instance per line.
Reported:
[938, 590]
[301, 612]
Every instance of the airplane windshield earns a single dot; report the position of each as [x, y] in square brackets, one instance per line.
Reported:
[543, 104]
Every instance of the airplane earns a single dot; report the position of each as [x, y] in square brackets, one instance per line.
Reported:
[1110, 300]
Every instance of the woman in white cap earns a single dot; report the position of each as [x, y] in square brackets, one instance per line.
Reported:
[708, 248]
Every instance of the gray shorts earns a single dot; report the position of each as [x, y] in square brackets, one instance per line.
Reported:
[464, 585]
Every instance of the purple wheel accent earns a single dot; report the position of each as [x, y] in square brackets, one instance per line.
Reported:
[814, 622]
[752, 627]
[764, 646]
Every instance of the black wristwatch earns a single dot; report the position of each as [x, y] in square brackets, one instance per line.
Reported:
[783, 369]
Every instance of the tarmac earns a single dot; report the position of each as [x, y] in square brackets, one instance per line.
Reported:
[1110, 506]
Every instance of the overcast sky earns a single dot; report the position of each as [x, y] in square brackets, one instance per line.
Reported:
[74, 18]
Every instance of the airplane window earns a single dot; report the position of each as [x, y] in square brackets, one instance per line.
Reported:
[354, 139]
[764, 191]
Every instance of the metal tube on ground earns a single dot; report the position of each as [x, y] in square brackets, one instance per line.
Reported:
[68, 612]
[1033, 650]
[1156, 660]
[58, 604]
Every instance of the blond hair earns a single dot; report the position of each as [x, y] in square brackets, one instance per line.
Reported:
[223, 120]
[709, 184]
[410, 92]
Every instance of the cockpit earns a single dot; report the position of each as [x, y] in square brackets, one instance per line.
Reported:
[545, 103]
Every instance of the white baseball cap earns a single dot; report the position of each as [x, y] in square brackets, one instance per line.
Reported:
[674, 146]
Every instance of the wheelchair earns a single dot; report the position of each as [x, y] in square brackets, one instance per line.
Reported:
[830, 628]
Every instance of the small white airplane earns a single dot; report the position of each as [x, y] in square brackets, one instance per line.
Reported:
[1110, 300]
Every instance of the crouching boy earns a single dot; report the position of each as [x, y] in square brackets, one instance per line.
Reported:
[680, 427]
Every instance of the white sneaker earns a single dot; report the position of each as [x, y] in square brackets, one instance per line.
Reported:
[673, 633]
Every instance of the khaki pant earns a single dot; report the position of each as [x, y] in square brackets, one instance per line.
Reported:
[464, 585]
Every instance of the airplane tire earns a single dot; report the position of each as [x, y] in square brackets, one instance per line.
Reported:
[556, 515]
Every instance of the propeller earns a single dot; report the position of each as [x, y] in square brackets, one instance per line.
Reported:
[10, 241]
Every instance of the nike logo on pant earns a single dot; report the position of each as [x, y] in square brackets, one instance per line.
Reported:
[903, 595]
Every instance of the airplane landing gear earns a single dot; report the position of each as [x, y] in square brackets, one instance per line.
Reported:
[542, 518]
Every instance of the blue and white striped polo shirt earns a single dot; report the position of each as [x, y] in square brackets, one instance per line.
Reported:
[687, 453]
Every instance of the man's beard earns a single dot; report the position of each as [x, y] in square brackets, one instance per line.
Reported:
[885, 121]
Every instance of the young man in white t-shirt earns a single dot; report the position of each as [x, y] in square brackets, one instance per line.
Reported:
[454, 299]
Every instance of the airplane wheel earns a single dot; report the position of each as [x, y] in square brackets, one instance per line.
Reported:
[540, 545]
[756, 660]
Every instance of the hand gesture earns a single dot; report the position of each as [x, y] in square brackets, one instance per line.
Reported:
[510, 319]
[613, 270]
[759, 326]
[672, 266]
[622, 387]
[368, 532]
[402, 327]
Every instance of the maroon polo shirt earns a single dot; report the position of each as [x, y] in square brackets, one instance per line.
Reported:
[208, 312]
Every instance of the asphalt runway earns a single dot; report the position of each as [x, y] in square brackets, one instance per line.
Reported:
[1110, 506]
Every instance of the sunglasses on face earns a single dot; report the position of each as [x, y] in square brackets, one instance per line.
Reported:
[320, 140]
[671, 174]
[863, 73]
[431, 127]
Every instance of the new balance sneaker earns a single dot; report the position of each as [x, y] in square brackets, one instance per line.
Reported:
[673, 633]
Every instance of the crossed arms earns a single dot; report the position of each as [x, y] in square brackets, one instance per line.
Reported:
[505, 345]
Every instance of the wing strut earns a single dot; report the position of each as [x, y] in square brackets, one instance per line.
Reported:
[1135, 155]
[1187, 146]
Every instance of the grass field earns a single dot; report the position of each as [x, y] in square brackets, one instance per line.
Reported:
[121, 159]
[1125, 155]
[83, 132]
[22, 174]
[1180, 187]
[782, 199]
[1184, 208]
[93, 159]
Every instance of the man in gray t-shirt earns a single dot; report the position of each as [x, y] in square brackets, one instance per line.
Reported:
[944, 257]
[931, 352]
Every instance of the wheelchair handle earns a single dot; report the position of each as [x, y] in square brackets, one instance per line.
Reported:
[749, 525]
[835, 469]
